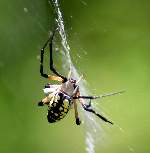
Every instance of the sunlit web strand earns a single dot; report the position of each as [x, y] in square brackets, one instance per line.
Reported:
[93, 129]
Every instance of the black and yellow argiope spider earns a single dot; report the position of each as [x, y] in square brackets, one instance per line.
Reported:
[60, 98]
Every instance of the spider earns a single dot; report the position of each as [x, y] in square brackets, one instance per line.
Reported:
[61, 97]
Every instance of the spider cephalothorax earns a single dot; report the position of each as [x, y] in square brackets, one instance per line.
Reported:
[59, 98]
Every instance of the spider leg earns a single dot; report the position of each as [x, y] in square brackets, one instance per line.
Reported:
[41, 61]
[86, 97]
[75, 93]
[100, 96]
[89, 109]
[51, 59]
[50, 41]
[78, 121]
[43, 101]
[48, 99]
[69, 74]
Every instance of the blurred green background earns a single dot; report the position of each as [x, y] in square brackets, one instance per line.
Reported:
[110, 43]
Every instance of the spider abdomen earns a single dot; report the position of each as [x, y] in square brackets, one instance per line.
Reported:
[59, 108]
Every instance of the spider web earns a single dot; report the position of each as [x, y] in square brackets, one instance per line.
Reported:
[94, 133]
[93, 129]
